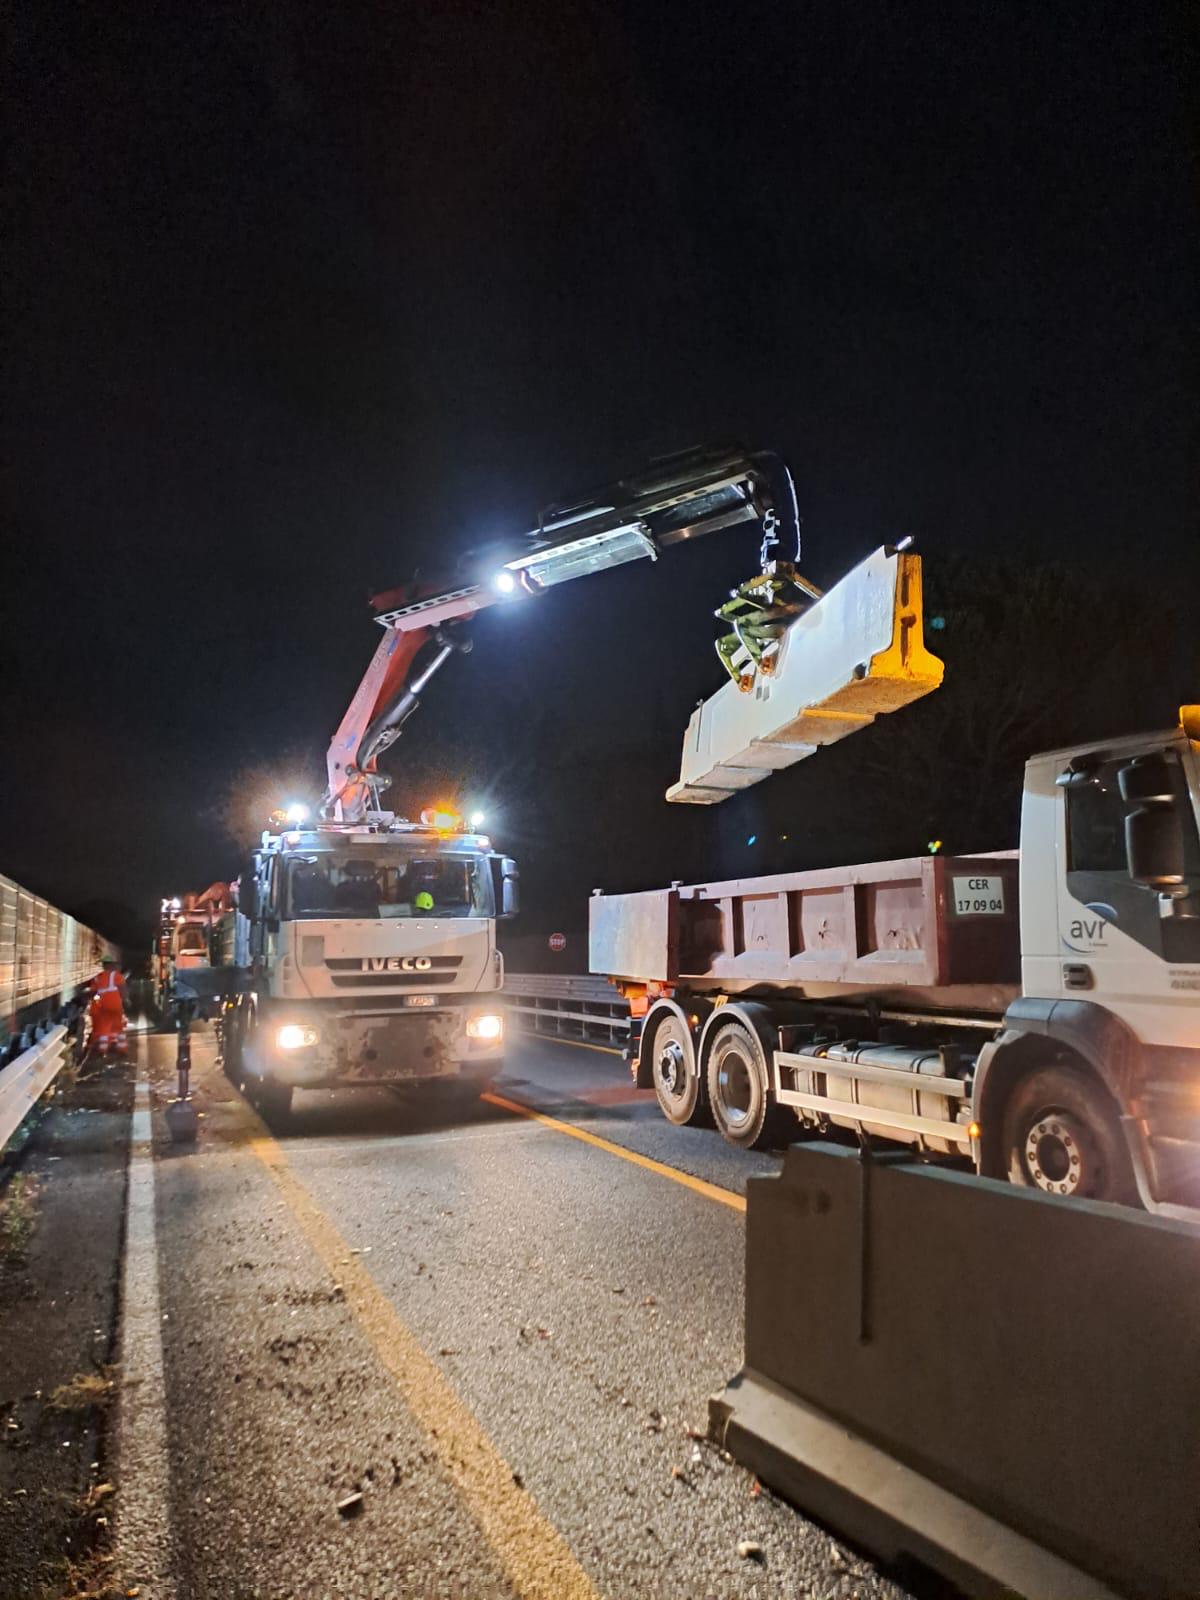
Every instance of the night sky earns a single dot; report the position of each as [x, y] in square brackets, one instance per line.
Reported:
[297, 299]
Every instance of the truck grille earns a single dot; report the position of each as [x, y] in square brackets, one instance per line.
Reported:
[347, 972]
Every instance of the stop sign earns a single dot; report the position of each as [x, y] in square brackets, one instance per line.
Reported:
[557, 941]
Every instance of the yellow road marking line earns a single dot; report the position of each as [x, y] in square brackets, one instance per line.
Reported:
[710, 1191]
[538, 1561]
[580, 1044]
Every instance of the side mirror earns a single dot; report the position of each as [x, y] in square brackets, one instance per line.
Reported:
[248, 896]
[1154, 838]
[506, 876]
[1154, 847]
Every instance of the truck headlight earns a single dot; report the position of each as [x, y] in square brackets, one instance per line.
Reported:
[489, 1026]
[296, 1036]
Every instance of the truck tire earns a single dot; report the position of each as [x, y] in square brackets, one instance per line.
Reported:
[273, 1101]
[677, 1085]
[738, 1093]
[1062, 1136]
[453, 1094]
[231, 1046]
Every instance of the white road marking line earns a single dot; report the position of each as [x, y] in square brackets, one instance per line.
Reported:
[144, 1544]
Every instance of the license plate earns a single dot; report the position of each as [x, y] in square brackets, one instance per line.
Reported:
[979, 897]
[420, 999]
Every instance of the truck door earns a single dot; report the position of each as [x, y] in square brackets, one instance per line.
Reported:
[1117, 947]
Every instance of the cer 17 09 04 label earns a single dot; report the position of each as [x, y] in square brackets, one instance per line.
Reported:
[978, 896]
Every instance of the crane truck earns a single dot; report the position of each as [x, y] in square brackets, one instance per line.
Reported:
[1035, 1011]
[365, 945]
[186, 926]
[369, 955]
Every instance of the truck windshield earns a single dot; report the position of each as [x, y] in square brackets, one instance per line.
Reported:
[387, 883]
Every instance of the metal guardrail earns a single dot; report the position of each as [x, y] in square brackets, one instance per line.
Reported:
[25, 1080]
[568, 1006]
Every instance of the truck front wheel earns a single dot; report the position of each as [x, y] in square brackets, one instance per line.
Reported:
[455, 1094]
[231, 1046]
[272, 1100]
[737, 1088]
[1061, 1136]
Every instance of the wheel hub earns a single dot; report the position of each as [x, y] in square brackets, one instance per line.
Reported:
[1056, 1154]
[672, 1068]
[733, 1080]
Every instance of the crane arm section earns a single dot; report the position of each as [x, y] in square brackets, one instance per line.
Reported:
[403, 663]
[675, 500]
[806, 669]
[636, 518]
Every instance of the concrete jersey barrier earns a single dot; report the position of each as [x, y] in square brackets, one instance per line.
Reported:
[1002, 1384]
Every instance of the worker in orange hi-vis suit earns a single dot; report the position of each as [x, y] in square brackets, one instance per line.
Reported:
[107, 1009]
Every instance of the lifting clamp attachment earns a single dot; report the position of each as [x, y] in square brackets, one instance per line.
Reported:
[759, 611]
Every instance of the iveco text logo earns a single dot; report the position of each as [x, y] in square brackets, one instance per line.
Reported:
[396, 963]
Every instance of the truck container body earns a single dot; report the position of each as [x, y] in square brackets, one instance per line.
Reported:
[1037, 1011]
[931, 929]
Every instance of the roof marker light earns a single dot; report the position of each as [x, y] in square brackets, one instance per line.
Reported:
[443, 820]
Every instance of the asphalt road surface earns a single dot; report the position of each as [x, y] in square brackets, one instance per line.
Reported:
[391, 1349]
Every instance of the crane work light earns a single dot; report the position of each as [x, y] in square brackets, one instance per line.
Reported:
[582, 556]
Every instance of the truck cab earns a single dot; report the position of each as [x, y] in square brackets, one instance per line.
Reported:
[371, 958]
[1110, 936]
[1108, 922]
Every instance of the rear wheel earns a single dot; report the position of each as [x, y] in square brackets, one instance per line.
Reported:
[675, 1073]
[737, 1088]
[1062, 1136]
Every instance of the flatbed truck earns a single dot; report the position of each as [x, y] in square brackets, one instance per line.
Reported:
[1035, 1011]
